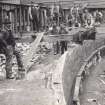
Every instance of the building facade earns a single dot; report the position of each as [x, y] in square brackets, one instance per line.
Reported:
[17, 14]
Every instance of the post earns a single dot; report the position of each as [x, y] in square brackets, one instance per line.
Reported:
[20, 22]
[2, 18]
[28, 20]
[16, 20]
[23, 18]
[28, 17]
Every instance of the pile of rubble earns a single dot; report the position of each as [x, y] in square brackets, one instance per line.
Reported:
[13, 73]
[43, 49]
[2, 67]
[22, 47]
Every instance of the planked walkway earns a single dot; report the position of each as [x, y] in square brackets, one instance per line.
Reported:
[29, 55]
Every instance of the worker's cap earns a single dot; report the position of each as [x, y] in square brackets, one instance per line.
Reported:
[35, 5]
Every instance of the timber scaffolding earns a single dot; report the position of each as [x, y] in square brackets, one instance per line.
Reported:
[20, 16]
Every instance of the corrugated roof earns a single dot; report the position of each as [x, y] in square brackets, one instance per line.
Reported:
[10, 1]
[64, 3]
[44, 1]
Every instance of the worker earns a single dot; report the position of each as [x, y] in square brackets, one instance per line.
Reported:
[74, 12]
[55, 31]
[63, 43]
[34, 16]
[87, 18]
[70, 20]
[7, 47]
[80, 14]
[98, 17]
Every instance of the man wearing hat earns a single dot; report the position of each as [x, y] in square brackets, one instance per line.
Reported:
[34, 15]
[7, 47]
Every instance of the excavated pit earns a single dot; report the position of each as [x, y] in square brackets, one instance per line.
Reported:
[50, 81]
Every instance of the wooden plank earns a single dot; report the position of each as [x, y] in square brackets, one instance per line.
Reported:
[58, 38]
[32, 51]
[67, 37]
[76, 89]
[28, 20]
[16, 29]
[24, 19]
[20, 19]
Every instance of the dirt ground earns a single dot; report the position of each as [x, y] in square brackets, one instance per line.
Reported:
[31, 90]
[25, 93]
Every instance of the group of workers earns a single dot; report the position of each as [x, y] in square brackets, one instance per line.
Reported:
[78, 17]
[81, 17]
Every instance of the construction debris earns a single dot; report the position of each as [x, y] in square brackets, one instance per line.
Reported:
[43, 49]
[22, 47]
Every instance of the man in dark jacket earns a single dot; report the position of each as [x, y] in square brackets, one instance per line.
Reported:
[7, 47]
[63, 43]
[35, 17]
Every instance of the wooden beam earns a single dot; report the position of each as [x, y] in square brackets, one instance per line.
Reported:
[24, 19]
[54, 38]
[27, 59]
[2, 17]
[28, 22]
[20, 19]
[60, 37]
[16, 20]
